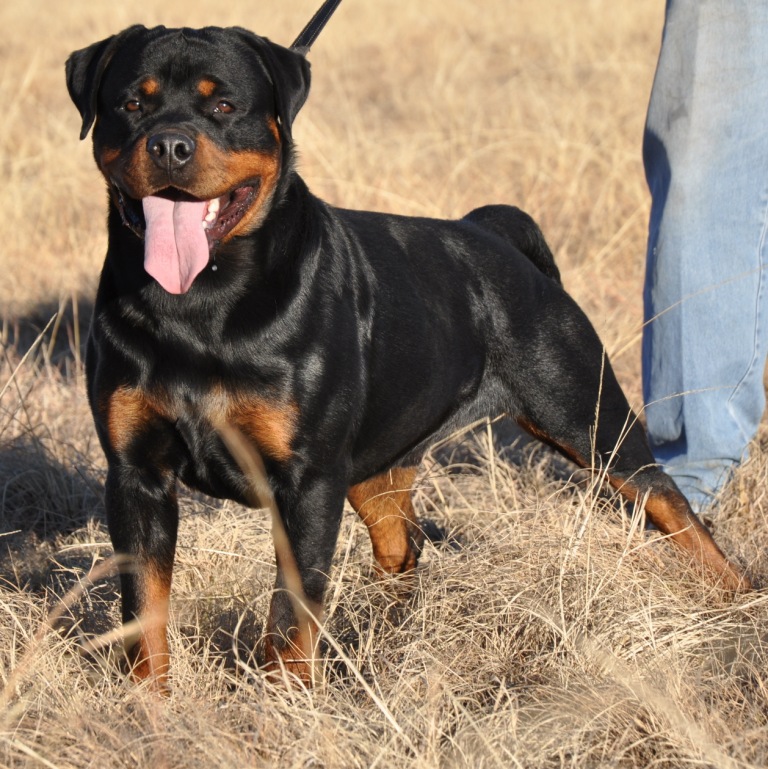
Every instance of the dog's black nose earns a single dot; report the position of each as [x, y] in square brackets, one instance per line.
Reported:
[171, 150]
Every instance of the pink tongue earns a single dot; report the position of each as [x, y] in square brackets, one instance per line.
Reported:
[175, 244]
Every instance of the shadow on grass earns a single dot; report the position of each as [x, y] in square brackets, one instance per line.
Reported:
[52, 534]
[56, 332]
[46, 506]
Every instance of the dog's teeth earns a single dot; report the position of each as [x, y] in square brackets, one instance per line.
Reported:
[210, 217]
[213, 207]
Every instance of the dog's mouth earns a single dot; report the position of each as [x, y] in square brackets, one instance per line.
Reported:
[180, 231]
[224, 213]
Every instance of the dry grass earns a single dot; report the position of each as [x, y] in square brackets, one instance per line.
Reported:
[548, 630]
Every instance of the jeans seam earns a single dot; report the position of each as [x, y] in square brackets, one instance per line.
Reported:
[758, 314]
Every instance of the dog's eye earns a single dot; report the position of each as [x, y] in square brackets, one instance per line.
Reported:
[134, 105]
[224, 106]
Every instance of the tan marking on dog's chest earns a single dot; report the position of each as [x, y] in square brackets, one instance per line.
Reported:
[269, 422]
[124, 413]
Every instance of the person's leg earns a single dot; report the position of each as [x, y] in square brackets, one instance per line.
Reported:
[706, 160]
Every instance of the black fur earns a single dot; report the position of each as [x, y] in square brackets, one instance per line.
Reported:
[369, 335]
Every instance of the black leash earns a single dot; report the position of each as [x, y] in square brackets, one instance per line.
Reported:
[307, 36]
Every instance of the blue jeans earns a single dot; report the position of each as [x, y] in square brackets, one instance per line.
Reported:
[706, 158]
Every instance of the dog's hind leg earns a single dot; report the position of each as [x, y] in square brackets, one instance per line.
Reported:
[630, 468]
[567, 395]
[669, 511]
[384, 504]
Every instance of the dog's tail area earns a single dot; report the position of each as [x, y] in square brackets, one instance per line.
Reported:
[516, 227]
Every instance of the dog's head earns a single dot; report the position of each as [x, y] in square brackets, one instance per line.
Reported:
[192, 130]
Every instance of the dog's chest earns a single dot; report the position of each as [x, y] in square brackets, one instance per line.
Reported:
[202, 423]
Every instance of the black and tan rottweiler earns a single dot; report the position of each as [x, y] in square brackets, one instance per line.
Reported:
[340, 344]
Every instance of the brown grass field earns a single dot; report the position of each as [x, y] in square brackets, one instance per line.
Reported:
[550, 630]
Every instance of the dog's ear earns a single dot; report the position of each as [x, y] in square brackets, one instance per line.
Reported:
[289, 72]
[85, 69]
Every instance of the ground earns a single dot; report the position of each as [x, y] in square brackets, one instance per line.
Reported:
[547, 627]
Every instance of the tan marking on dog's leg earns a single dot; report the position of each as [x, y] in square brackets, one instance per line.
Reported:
[149, 656]
[294, 651]
[384, 504]
[670, 512]
[292, 635]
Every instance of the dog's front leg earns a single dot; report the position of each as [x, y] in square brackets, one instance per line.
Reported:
[305, 535]
[142, 514]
